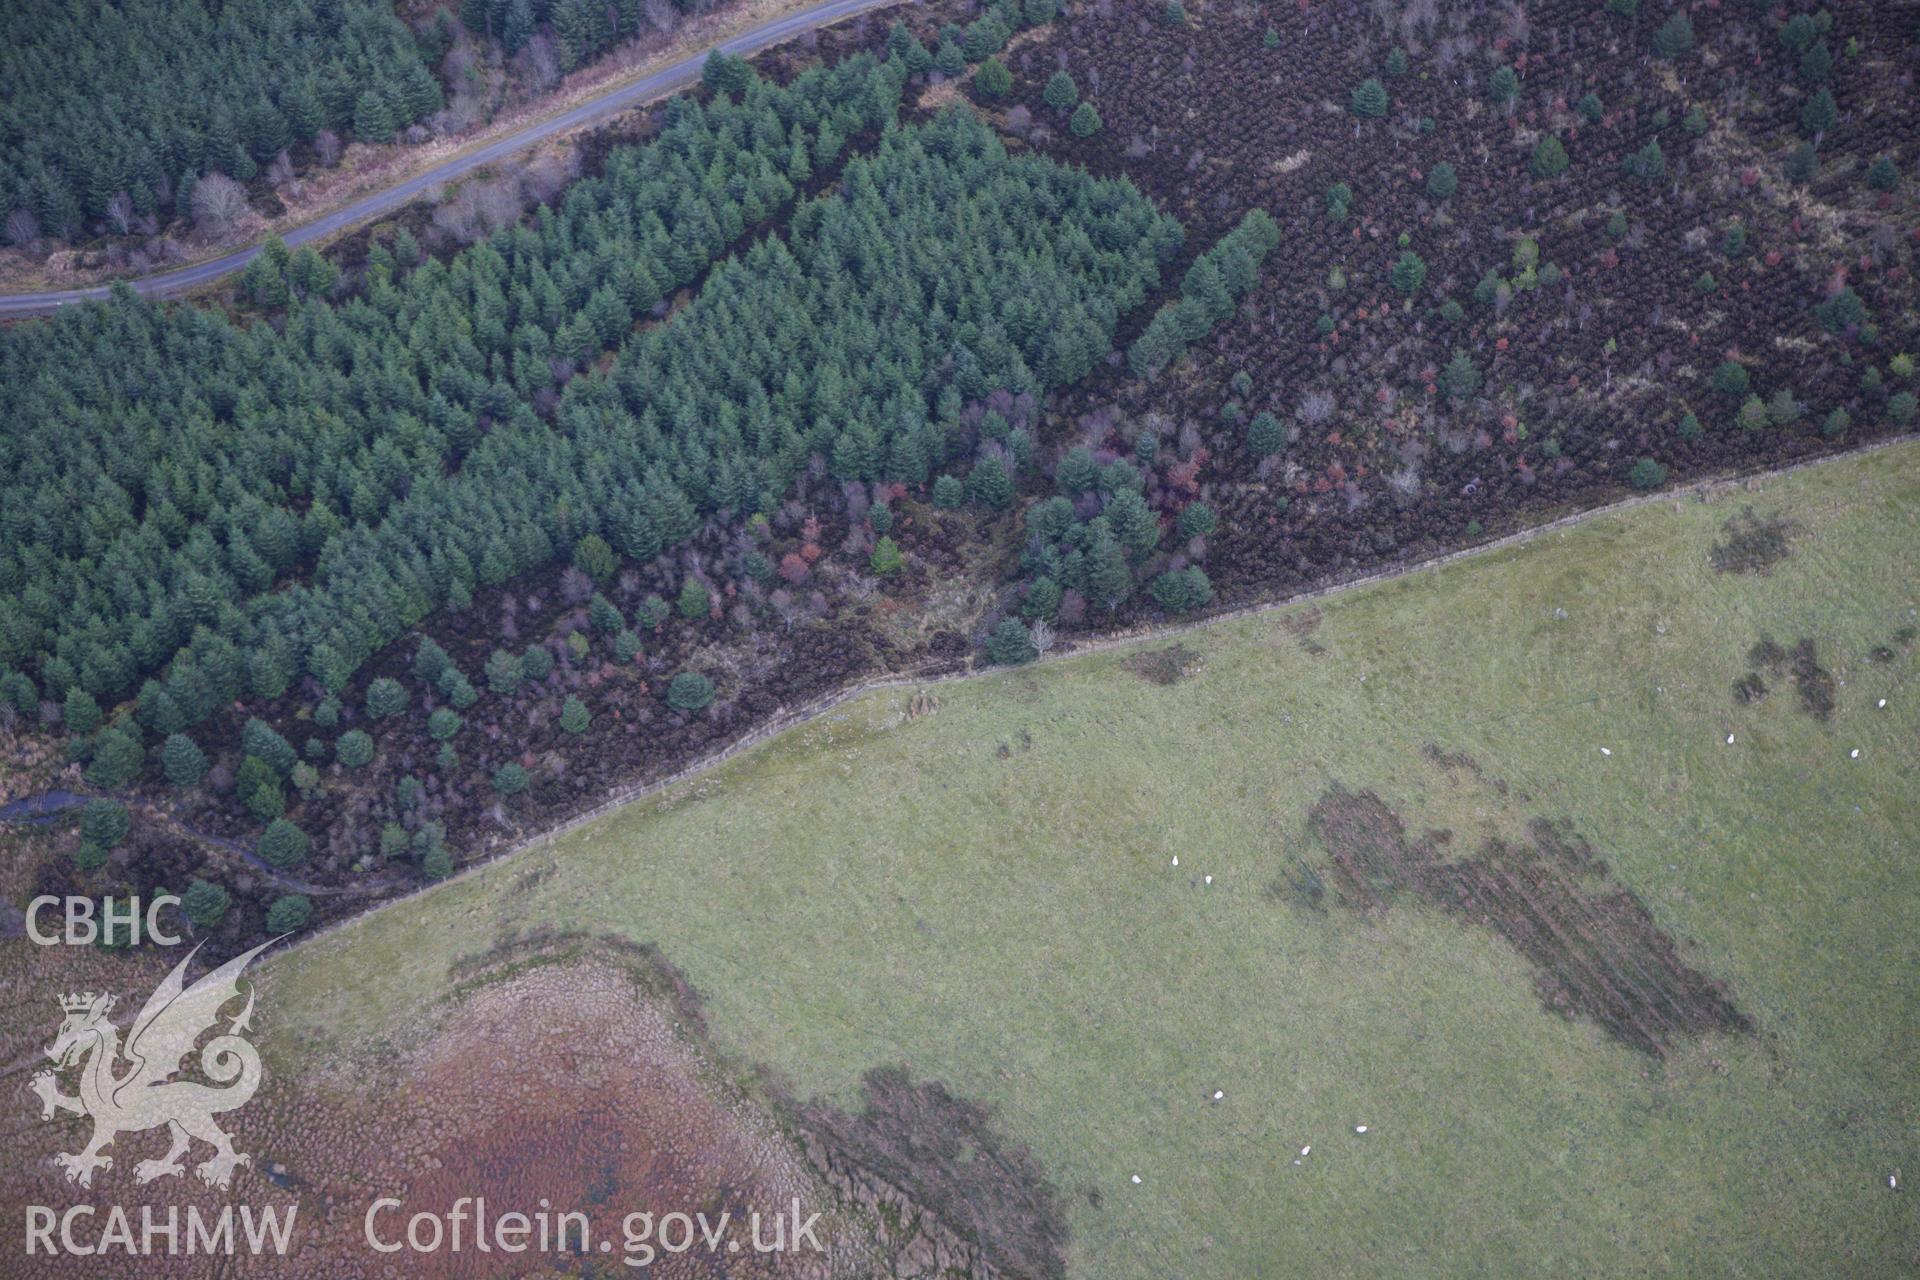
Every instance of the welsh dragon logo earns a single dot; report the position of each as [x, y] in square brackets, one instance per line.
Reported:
[144, 1095]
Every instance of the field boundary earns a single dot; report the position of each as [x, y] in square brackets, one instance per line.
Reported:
[922, 677]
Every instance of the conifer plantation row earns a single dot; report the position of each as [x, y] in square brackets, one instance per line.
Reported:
[944, 272]
[200, 508]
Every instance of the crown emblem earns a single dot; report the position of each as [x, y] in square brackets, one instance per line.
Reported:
[85, 1001]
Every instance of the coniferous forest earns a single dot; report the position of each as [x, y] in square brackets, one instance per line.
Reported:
[204, 508]
[135, 101]
[115, 113]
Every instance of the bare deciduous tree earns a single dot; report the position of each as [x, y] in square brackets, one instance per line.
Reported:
[539, 62]
[22, 227]
[576, 588]
[1420, 15]
[479, 208]
[543, 178]
[120, 213]
[1519, 26]
[326, 145]
[454, 219]
[218, 203]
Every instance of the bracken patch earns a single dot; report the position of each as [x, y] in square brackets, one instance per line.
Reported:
[1597, 953]
[1814, 683]
[946, 1154]
[1752, 545]
[1163, 666]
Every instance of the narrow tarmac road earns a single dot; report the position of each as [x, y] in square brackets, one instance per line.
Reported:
[662, 82]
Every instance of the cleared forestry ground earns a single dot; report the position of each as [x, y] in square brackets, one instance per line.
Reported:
[986, 893]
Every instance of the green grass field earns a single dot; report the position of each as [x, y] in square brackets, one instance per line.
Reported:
[869, 890]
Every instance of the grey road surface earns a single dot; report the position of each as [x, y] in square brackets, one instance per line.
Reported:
[677, 76]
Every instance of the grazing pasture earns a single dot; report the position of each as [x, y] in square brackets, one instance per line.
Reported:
[987, 893]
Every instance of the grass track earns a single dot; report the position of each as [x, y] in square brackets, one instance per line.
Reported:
[867, 889]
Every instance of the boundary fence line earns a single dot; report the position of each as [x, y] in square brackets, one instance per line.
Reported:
[925, 676]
